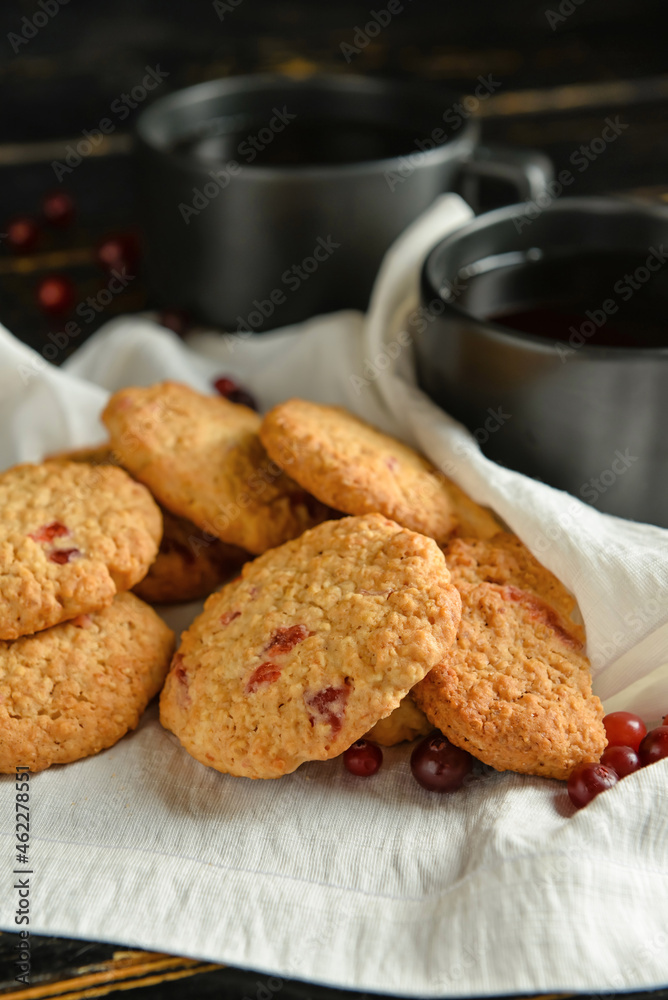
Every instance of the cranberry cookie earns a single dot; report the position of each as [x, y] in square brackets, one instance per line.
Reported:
[515, 690]
[71, 537]
[76, 688]
[352, 467]
[406, 722]
[314, 643]
[190, 564]
[202, 458]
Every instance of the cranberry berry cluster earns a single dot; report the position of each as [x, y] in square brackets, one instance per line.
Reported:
[629, 748]
[439, 766]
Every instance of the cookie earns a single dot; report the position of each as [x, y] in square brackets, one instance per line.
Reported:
[351, 466]
[77, 688]
[202, 458]
[314, 643]
[92, 454]
[71, 537]
[473, 521]
[515, 690]
[507, 560]
[406, 722]
[190, 564]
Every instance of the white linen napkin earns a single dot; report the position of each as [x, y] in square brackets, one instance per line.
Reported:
[367, 884]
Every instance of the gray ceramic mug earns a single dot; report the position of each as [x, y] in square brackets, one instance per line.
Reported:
[267, 200]
[547, 337]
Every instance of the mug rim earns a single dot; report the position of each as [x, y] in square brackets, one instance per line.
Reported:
[467, 134]
[585, 204]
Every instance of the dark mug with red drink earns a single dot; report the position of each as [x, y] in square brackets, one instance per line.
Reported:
[557, 322]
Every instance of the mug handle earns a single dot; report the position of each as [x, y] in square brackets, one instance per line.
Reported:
[529, 170]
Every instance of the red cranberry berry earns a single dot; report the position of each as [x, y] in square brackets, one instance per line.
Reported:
[228, 388]
[587, 780]
[48, 532]
[176, 320]
[624, 760]
[55, 294]
[23, 234]
[654, 747]
[118, 253]
[624, 729]
[58, 209]
[363, 758]
[62, 556]
[438, 765]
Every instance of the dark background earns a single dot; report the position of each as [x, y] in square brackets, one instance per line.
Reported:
[606, 58]
[562, 73]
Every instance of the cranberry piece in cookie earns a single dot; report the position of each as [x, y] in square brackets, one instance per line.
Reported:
[285, 639]
[49, 531]
[328, 707]
[266, 673]
[228, 616]
[62, 556]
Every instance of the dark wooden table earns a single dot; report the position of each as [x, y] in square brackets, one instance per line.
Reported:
[74, 970]
[558, 87]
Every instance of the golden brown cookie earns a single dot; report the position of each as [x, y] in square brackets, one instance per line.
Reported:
[507, 560]
[473, 521]
[190, 563]
[352, 467]
[318, 640]
[74, 689]
[515, 690]
[71, 536]
[406, 722]
[92, 454]
[202, 458]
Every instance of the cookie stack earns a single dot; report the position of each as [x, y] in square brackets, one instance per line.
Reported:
[323, 637]
[383, 599]
[80, 658]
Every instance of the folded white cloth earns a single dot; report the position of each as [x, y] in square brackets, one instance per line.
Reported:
[367, 884]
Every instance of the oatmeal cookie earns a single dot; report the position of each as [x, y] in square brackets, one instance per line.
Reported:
[202, 458]
[92, 454]
[473, 521]
[76, 688]
[71, 536]
[314, 643]
[505, 559]
[406, 722]
[352, 467]
[190, 564]
[515, 690]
